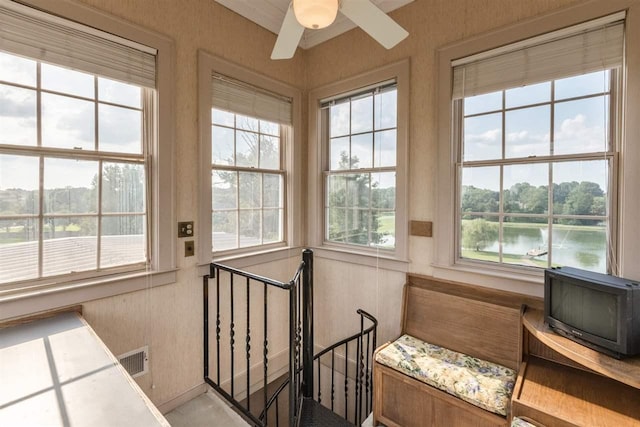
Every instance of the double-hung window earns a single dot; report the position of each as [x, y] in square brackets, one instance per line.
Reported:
[360, 175]
[250, 128]
[535, 127]
[76, 120]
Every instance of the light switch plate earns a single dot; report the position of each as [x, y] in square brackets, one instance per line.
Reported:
[185, 229]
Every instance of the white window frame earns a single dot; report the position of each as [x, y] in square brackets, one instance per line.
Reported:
[291, 155]
[529, 281]
[161, 269]
[318, 157]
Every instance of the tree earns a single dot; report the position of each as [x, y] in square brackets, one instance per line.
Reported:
[478, 234]
[479, 199]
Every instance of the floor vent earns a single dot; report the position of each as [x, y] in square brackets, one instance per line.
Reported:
[136, 362]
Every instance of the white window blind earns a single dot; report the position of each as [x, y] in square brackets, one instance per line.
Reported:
[584, 48]
[237, 97]
[32, 33]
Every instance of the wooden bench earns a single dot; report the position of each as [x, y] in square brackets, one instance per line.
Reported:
[479, 322]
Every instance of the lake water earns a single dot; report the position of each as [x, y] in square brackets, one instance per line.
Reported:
[578, 247]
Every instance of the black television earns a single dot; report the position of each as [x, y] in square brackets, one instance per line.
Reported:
[597, 310]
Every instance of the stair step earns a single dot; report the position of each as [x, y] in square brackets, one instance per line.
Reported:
[314, 414]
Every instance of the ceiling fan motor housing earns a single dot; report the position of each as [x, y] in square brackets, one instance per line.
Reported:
[315, 14]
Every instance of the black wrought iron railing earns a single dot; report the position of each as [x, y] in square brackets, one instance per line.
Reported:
[242, 304]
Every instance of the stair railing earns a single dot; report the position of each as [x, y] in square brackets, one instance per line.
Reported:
[300, 378]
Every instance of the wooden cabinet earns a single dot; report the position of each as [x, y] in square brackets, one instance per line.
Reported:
[562, 383]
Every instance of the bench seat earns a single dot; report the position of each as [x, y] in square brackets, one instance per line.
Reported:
[484, 384]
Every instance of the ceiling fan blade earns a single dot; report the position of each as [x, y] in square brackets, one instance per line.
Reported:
[374, 22]
[288, 38]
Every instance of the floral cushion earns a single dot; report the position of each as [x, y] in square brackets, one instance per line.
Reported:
[519, 422]
[481, 383]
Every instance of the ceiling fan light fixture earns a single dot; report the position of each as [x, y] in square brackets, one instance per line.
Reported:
[315, 14]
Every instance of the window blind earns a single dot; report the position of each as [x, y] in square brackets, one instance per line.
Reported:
[38, 35]
[592, 46]
[240, 98]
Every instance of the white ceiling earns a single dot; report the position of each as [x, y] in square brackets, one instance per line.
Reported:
[270, 14]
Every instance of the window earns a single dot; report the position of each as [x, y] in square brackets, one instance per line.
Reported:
[536, 140]
[360, 179]
[247, 180]
[78, 110]
[251, 163]
[358, 190]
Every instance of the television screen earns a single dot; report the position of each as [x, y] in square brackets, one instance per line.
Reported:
[585, 309]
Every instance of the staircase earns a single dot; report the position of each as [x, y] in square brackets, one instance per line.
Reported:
[240, 302]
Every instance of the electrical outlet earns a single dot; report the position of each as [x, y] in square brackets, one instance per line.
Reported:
[189, 248]
[185, 229]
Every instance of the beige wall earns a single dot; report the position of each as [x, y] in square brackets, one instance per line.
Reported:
[168, 318]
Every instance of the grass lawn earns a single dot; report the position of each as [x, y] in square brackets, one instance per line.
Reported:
[506, 258]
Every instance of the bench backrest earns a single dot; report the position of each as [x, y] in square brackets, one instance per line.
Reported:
[480, 322]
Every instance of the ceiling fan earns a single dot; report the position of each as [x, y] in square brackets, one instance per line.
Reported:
[316, 14]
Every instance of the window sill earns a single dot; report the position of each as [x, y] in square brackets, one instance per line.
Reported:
[377, 260]
[248, 259]
[508, 279]
[20, 302]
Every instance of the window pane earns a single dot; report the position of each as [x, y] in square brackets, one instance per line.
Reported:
[358, 190]
[225, 230]
[384, 229]
[18, 116]
[362, 151]
[18, 249]
[383, 190]
[269, 128]
[67, 122]
[385, 148]
[246, 149]
[123, 188]
[585, 84]
[70, 186]
[272, 226]
[336, 224]
[122, 240]
[358, 227]
[483, 137]
[362, 115]
[386, 109]
[250, 230]
[528, 95]
[119, 93]
[269, 152]
[70, 245]
[19, 183]
[339, 120]
[527, 132]
[250, 189]
[581, 126]
[479, 238]
[272, 197]
[580, 245]
[525, 241]
[120, 129]
[480, 189]
[580, 188]
[224, 118]
[339, 153]
[68, 81]
[16, 69]
[246, 123]
[337, 191]
[526, 188]
[483, 103]
[222, 146]
[225, 189]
